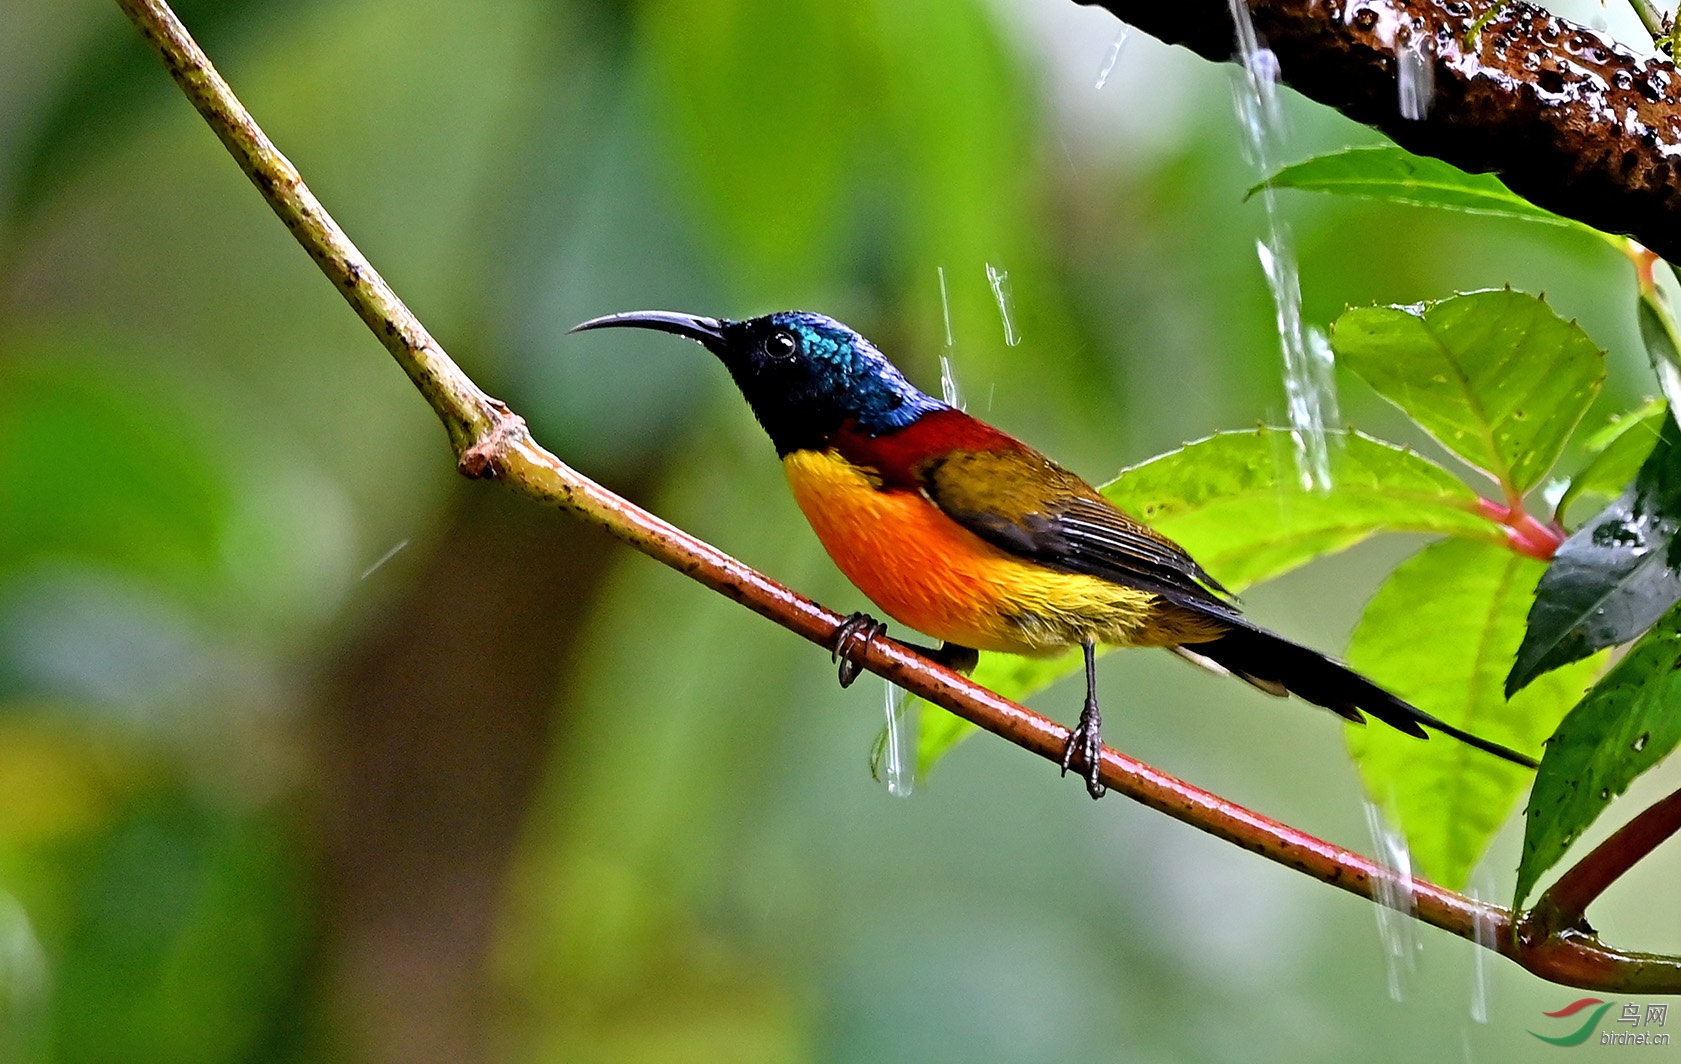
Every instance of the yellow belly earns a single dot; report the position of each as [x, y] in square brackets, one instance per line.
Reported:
[927, 571]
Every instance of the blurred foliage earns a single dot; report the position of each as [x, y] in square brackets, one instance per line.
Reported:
[203, 459]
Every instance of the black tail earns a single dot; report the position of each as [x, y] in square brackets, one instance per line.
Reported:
[1276, 665]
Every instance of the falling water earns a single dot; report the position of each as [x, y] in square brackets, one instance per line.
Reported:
[1415, 76]
[1482, 932]
[383, 558]
[1309, 384]
[948, 384]
[1000, 282]
[1113, 57]
[945, 304]
[1396, 903]
[1256, 95]
[899, 751]
[948, 379]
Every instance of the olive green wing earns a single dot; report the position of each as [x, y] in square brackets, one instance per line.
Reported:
[1022, 502]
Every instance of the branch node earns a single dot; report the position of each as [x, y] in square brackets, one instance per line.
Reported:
[482, 460]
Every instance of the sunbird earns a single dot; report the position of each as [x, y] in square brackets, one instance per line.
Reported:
[964, 533]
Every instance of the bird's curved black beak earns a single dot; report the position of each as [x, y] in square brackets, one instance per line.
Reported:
[707, 331]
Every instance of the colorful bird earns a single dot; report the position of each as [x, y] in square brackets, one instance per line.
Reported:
[966, 534]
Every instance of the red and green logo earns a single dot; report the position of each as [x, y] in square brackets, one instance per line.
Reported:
[1640, 1021]
[1588, 1027]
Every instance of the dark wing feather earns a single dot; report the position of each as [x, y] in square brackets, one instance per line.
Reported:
[1022, 502]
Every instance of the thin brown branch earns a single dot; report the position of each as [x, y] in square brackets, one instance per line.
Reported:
[492, 441]
[1568, 118]
[1565, 902]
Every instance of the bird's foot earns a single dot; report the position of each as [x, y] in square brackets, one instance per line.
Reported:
[1085, 748]
[854, 635]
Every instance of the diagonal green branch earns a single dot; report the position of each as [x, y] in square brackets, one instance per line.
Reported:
[491, 441]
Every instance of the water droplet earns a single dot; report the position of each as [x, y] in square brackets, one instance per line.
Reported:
[1483, 934]
[1113, 57]
[948, 384]
[1640, 743]
[899, 756]
[1605, 794]
[1392, 889]
[1309, 383]
[999, 280]
[945, 304]
[1255, 92]
[383, 558]
[1610, 534]
[1309, 380]
[1415, 77]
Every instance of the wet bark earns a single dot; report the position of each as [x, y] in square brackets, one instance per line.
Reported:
[1568, 118]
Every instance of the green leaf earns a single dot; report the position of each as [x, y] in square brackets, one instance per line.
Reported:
[1496, 376]
[1621, 448]
[1235, 501]
[1658, 333]
[1399, 176]
[1615, 577]
[1439, 633]
[1624, 726]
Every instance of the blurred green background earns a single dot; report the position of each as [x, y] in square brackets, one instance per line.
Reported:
[310, 750]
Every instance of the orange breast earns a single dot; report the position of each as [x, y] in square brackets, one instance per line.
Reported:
[927, 571]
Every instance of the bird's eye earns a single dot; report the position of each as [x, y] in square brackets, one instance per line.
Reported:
[781, 344]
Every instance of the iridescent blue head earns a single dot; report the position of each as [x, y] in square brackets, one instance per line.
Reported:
[805, 375]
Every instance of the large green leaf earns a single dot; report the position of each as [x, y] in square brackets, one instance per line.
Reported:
[1440, 633]
[1235, 501]
[1397, 175]
[1496, 376]
[1624, 726]
[1615, 577]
